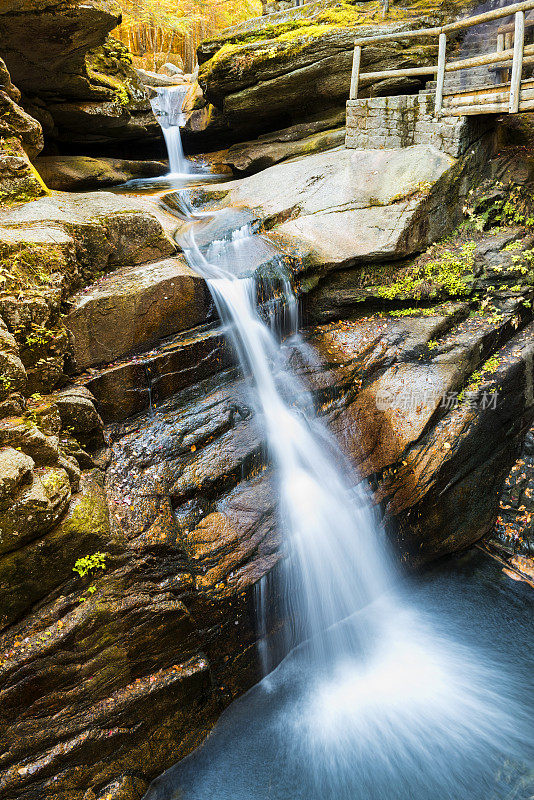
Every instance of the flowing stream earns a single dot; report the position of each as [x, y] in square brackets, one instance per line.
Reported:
[373, 700]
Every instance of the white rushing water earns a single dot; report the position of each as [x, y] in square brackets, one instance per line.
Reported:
[374, 704]
[371, 703]
[333, 569]
[167, 106]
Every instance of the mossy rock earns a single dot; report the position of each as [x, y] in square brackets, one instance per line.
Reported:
[109, 67]
[19, 180]
[274, 74]
[31, 572]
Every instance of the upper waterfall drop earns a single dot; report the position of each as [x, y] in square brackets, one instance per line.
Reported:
[167, 105]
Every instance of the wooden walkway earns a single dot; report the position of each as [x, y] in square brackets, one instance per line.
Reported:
[498, 86]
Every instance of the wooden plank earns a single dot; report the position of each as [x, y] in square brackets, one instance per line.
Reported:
[442, 54]
[355, 76]
[484, 97]
[494, 87]
[398, 73]
[510, 26]
[486, 58]
[488, 16]
[517, 66]
[488, 108]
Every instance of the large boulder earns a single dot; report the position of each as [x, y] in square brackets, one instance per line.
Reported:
[291, 67]
[335, 209]
[135, 307]
[79, 82]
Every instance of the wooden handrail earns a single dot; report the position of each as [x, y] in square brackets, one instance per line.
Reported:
[509, 27]
[503, 57]
[462, 24]
[487, 16]
[510, 48]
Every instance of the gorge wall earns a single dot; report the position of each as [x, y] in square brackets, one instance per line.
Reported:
[127, 445]
[76, 81]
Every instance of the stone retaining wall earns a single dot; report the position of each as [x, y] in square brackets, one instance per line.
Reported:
[404, 120]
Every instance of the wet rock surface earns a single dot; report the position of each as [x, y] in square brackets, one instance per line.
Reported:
[135, 383]
[514, 528]
[78, 173]
[150, 655]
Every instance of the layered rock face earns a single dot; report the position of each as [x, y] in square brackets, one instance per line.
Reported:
[296, 67]
[466, 361]
[77, 82]
[21, 138]
[63, 633]
[129, 553]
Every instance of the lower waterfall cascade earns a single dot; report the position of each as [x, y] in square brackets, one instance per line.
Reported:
[370, 701]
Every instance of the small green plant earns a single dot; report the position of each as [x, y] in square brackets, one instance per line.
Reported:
[5, 383]
[515, 245]
[89, 565]
[496, 205]
[39, 337]
[443, 275]
[477, 378]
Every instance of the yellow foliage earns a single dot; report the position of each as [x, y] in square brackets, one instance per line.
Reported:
[151, 27]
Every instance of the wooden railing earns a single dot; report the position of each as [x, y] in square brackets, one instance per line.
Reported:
[510, 51]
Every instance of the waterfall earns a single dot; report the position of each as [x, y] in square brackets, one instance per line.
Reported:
[167, 106]
[369, 701]
[333, 566]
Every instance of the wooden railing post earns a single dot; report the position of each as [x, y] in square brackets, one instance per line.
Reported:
[355, 77]
[500, 73]
[517, 64]
[442, 54]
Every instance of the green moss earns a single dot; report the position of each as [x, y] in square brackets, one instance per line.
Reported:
[414, 312]
[293, 35]
[109, 66]
[55, 482]
[342, 15]
[30, 266]
[446, 275]
[90, 513]
[478, 377]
